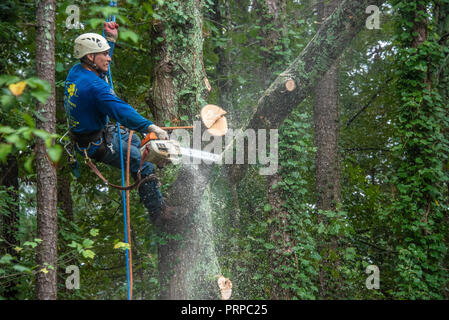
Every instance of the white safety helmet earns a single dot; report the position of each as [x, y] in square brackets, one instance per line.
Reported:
[90, 43]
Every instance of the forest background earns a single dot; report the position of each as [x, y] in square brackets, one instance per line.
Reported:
[362, 187]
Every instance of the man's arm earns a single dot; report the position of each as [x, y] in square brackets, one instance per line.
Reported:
[111, 34]
[109, 104]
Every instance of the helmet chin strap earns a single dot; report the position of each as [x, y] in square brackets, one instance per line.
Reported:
[93, 65]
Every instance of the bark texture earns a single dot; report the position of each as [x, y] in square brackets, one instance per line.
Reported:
[187, 261]
[46, 284]
[326, 121]
[327, 160]
[180, 63]
[272, 23]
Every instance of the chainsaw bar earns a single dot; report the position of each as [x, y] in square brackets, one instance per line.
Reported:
[198, 154]
[159, 151]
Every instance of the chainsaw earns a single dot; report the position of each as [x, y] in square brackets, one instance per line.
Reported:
[160, 152]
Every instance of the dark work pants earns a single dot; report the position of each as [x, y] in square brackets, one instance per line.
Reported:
[148, 191]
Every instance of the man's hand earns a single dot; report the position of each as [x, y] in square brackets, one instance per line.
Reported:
[111, 31]
[161, 134]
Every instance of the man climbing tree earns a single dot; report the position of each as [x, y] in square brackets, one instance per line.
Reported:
[90, 101]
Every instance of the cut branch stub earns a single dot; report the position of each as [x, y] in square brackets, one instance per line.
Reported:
[290, 85]
[208, 86]
[214, 120]
[225, 286]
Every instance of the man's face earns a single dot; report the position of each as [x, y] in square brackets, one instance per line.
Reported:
[101, 59]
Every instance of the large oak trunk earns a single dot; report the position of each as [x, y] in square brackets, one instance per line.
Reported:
[187, 261]
[327, 161]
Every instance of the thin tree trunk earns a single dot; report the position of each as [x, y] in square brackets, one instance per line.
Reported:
[46, 285]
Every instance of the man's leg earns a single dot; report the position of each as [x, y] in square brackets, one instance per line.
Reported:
[148, 191]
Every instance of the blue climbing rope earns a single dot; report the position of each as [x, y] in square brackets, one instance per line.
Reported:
[109, 19]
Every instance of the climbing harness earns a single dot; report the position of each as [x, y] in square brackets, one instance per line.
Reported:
[138, 182]
[68, 147]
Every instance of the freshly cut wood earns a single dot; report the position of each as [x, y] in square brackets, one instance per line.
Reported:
[225, 286]
[208, 86]
[214, 119]
[290, 85]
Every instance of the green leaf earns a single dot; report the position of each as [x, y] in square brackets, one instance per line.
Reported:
[267, 207]
[7, 130]
[31, 244]
[39, 84]
[15, 139]
[156, 16]
[94, 22]
[105, 10]
[41, 95]
[41, 89]
[59, 67]
[7, 101]
[88, 254]
[269, 246]
[55, 152]
[128, 34]
[6, 79]
[5, 149]
[41, 134]
[28, 165]
[321, 228]
[94, 232]
[121, 245]
[6, 259]
[21, 268]
[87, 243]
[74, 244]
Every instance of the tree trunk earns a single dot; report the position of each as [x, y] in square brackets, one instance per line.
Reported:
[272, 24]
[64, 194]
[327, 160]
[224, 66]
[9, 178]
[172, 93]
[188, 262]
[46, 285]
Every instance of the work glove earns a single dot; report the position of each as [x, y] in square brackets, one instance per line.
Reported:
[161, 134]
[111, 31]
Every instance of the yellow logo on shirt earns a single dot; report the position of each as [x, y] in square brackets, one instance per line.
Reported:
[72, 90]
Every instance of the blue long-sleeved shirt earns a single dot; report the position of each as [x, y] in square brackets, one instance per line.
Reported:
[90, 101]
